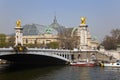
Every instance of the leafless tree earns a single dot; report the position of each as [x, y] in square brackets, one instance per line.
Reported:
[111, 42]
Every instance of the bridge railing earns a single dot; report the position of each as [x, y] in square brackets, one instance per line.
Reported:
[62, 54]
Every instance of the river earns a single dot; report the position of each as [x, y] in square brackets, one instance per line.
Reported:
[59, 73]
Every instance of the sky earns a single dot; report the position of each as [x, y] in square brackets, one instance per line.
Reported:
[102, 15]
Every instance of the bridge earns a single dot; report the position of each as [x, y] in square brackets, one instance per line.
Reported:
[22, 55]
[35, 56]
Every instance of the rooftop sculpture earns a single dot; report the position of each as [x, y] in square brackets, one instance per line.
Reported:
[18, 23]
[83, 20]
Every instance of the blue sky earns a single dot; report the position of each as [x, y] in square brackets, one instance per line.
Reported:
[102, 15]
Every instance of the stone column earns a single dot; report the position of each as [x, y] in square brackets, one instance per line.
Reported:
[83, 36]
[18, 34]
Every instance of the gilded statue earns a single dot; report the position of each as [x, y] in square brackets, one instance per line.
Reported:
[83, 20]
[18, 23]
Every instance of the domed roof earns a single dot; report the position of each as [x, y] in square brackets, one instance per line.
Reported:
[35, 29]
[74, 30]
[94, 38]
[57, 26]
[27, 30]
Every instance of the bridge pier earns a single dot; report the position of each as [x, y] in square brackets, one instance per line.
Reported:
[90, 55]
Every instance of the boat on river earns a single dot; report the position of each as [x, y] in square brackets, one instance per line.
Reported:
[84, 63]
[111, 64]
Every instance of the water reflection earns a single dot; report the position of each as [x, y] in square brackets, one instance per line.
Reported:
[85, 73]
[57, 73]
[24, 73]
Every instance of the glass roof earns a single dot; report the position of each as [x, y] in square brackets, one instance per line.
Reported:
[35, 29]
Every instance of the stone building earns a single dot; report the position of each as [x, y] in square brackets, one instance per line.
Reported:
[40, 39]
[41, 34]
[85, 41]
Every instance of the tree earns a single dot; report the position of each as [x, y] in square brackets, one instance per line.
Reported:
[116, 35]
[53, 45]
[2, 40]
[30, 45]
[11, 41]
[111, 42]
[66, 41]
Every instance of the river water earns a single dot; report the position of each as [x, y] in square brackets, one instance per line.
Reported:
[59, 73]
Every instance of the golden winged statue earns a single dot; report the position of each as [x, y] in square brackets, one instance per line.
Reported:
[18, 23]
[83, 20]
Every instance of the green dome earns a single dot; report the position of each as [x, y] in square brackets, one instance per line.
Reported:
[50, 30]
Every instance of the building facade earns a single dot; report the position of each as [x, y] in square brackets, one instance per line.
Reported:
[40, 39]
[41, 35]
